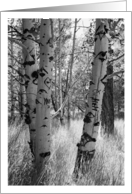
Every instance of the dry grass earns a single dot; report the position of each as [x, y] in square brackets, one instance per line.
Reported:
[107, 167]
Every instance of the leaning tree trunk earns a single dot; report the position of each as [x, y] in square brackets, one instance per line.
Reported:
[86, 147]
[31, 76]
[43, 118]
[107, 115]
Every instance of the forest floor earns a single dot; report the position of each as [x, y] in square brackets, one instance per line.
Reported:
[106, 168]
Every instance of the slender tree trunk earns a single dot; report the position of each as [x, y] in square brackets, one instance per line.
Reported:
[43, 118]
[86, 147]
[12, 94]
[107, 114]
[56, 104]
[31, 77]
[71, 67]
[60, 75]
[54, 101]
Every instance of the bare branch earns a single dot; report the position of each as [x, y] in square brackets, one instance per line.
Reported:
[113, 60]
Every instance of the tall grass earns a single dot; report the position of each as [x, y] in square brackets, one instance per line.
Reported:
[106, 168]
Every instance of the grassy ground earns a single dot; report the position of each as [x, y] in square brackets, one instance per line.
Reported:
[107, 167]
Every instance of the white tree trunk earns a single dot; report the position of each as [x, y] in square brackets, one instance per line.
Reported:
[71, 67]
[31, 76]
[43, 118]
[86, 147]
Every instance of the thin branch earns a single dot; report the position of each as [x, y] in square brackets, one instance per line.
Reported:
[113, 60]
[113, 74]
[19, 43]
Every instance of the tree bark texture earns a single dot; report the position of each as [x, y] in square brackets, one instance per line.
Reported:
[107, 115]
[43, 101]
[86, 147]
[71, 67]
[31, 79]
[12, 93]
[60, 75]
[22, 94]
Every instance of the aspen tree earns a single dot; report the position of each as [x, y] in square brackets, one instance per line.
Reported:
[31, 76]
[71, 67]
[12, 93]
[60, 74]
[43, 101]
[86, 147]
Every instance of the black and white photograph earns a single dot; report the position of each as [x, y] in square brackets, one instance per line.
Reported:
[66, 101]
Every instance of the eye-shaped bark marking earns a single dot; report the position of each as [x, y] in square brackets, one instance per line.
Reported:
[47, 82]
[34, 74]
[51, 59]
[25, 31]
[43, 155]
[43, 72]
[101, 54]
[45, 118]
[86, 138]
[41, 91]
[91, 83]
[96, 124]
[30, 63]
[37, 102]
[88, 117]
[44, 126]
[34, 111]
[29, 36]
[33, 130]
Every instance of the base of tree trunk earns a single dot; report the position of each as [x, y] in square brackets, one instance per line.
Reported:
[82, 163]
[41, 173]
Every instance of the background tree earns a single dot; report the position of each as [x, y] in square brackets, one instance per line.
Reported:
[115, 50]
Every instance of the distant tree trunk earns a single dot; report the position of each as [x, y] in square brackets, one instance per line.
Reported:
[56, 104]
[43, 118]
[22, 94]
[71, 67]
[31, 79]
[107, 115]
[60, 75]
[86, 147]
[54, 98]
[12, 93]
